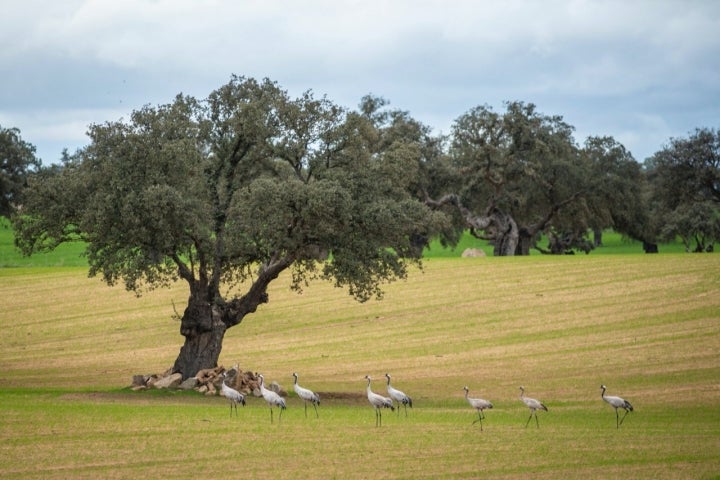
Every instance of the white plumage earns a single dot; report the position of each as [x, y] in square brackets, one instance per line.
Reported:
[616, 402]
[306, 395]
[272, 398]
[398, 396]
[378, 402]
[232, 395]
[533, 405]
[478, 404]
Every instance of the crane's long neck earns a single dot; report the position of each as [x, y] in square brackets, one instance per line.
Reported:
[602, 392]
[466, 393]
[295, 376]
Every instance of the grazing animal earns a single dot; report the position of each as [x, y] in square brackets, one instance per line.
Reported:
[478, 404]
[616, 402]
[378, 402]
[533, 405]
[398, 396]
[272, 398]
[307, 396]
[232, 395]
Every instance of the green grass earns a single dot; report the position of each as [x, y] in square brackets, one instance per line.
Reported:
[72, 254]
[645, 325]
[66, 255]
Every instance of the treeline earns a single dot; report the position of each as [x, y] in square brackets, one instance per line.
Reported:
[509, 177]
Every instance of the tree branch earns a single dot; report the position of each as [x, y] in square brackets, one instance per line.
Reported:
[238, 308]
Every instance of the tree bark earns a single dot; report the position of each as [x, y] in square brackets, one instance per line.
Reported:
[204, 330]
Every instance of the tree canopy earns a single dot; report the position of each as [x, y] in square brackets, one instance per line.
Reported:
[519, 173]
[17, 161]
[685, 179]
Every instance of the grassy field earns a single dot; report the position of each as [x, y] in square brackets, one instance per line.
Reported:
[645, 325]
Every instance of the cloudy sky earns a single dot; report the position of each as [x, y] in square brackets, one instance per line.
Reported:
[640, 71]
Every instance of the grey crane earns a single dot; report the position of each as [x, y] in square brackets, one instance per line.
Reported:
[306, 395]
[533, 405]
[398, 396]
[378, 402]
[616, 402]
[233, 396]
[272, 398]
[478, 404]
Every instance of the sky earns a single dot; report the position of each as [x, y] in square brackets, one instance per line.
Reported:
[641, 71]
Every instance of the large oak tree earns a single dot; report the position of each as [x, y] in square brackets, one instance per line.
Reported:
[517, 174]
[226, 194]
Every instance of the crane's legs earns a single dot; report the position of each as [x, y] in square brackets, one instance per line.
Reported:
[271, 415]
[316, 412]
[305, 408]
[480, 419]
[530, 418]
[378, 417]
[623, 418]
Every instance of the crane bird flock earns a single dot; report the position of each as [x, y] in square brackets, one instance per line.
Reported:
[272, 398]
[478, 404]
[616, 402]
[398, 396]
[233, 396]
[306, 395]
[533, 405]
[378, 401]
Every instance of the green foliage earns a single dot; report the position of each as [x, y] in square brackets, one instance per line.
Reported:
[211, 190]
[17, 160]
[685, 195]
[520, 175]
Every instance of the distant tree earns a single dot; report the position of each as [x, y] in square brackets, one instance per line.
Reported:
[519, 174]
[17, 160]
[685, 189]
[397, 127]
[615, 197]
[228, 193]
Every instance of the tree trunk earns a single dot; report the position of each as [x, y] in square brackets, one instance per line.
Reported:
[506, 233]
[499, 226]
[204, 330]
[525, 243]
[208, 316]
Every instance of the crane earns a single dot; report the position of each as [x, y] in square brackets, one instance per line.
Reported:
[272, 398]
[378, 402]
[398, 396]
[307, 396]
[232, 395]
[533, 405]
[616, 402]
[478, 404]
